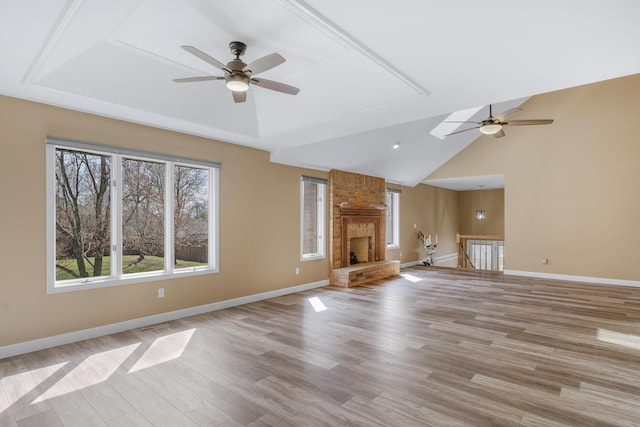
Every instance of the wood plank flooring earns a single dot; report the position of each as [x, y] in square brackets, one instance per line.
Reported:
[434, 347]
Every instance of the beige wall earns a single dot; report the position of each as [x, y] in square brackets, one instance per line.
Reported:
[492, 202]
[433, 211]
[259, 226]
[571, 188]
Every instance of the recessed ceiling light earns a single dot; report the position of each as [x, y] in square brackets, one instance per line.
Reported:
[396, 145]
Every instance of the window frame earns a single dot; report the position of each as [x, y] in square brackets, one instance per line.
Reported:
[116, 276]
[321, 227]
[395, 219]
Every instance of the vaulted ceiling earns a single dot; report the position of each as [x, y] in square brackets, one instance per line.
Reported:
[370, 73]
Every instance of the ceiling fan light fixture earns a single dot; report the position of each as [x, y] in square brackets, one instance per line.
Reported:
[237, 75]
[237, 83]
[490, 129]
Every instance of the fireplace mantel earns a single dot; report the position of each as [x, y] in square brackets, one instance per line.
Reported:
[350, 209]
[356, 207]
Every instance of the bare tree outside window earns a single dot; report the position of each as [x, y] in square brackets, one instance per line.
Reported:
[143, 196]
[82, 214]
[191, 214]
[118, 216]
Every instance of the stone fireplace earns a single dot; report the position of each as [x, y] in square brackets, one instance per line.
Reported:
[357, 225]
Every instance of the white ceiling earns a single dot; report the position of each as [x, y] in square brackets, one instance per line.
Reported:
[371, 73]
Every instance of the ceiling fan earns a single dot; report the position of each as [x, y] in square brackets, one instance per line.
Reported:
[494, 125]
[239, 75]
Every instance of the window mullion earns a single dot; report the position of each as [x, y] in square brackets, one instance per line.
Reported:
[116, 216]
[169, 203]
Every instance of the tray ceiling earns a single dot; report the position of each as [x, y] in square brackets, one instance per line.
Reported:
[371, 73]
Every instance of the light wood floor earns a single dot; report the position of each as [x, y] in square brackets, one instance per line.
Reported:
[435, 347]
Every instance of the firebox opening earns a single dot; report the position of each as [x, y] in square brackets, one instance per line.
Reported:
[359, 248]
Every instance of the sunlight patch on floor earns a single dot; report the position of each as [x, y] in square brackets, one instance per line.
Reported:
[164, 349]
[317, 304]
[19, 385]
[612, 337]
[95, 369]
[410, 277]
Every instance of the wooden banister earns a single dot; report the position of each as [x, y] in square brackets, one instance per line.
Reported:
[483, 259]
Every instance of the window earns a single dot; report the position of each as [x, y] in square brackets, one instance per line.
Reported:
[393, 218]
[312, 196]
[118, 216]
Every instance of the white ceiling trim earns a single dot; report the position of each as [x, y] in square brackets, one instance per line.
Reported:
[64, 18]
[469, 183]
[322, 23]
[362, 84]
[153, 56]
[131, 16]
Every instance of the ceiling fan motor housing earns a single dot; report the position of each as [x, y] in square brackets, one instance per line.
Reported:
[238, 80]
[237, 48]
[236, 65]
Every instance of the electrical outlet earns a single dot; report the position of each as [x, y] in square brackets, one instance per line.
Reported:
[160, 292]
[545, 261]
[297, 271]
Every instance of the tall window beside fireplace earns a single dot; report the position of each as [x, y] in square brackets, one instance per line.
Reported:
[393, 218]
[312, 211]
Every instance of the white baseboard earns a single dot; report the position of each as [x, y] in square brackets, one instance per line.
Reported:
[53, 341]
[436, 260]
[570, 278]
[447, 257]
[409, 264]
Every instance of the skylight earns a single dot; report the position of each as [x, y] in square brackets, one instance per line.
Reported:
[457, 116]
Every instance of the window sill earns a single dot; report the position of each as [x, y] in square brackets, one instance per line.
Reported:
[312, 258]
[106, 282]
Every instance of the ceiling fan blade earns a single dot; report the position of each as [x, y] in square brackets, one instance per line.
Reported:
[265, 63]
[277, 86]
[529, 122]
[499, 134]
[198, 79]
[463, 130]
[239, 96]
[206, 58]
[506, 114]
